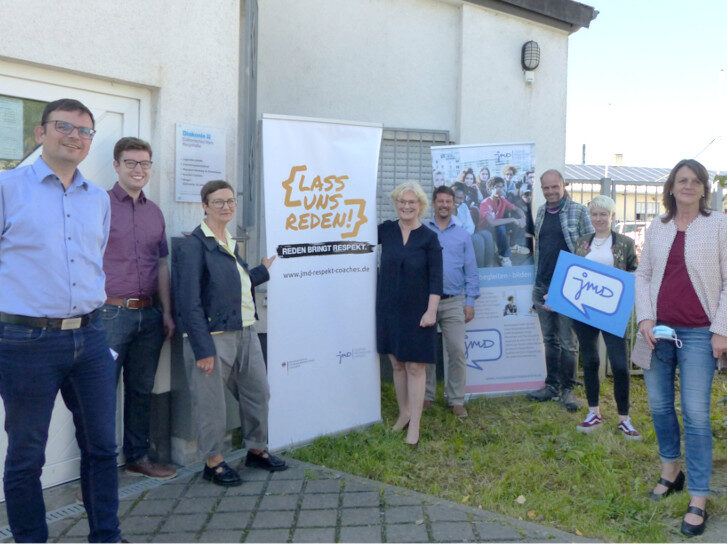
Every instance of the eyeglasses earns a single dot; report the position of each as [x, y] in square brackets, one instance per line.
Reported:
[402, 202]
[219, 203]
[131, 164]
[64, 127]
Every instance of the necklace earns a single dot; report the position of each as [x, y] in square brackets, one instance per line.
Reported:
[599, 244]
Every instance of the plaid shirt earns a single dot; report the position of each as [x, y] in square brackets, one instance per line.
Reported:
[574, 220]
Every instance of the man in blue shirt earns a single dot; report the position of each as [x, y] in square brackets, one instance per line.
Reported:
[456, 308]
[54, 225]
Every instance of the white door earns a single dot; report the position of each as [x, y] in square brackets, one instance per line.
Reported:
[115, 116]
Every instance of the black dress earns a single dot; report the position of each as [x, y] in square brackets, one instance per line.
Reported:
[407, 276]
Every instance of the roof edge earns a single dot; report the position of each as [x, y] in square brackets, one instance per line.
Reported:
[564, 14]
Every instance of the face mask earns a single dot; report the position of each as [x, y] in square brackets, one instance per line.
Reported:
[667, 333]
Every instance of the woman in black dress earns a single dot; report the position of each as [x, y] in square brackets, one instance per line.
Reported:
[408, 292]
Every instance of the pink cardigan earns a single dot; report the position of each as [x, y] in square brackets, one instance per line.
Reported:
[705, 253]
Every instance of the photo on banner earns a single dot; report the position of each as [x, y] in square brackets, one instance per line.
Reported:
[320, 216]
[493, 186]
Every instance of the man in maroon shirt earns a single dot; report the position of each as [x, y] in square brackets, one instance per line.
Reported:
[137, 314]
[492, 216]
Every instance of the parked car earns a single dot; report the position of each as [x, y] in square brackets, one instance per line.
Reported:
[634, 230]
[629, 228]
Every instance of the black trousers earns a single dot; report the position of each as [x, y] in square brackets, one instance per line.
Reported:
[616, 349]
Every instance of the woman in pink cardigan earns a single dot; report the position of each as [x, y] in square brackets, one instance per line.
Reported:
[681, 283]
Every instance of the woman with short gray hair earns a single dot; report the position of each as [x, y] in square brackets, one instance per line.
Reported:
[215, 301]
[614, 250]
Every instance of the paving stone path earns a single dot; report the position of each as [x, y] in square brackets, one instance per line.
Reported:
[304, 504]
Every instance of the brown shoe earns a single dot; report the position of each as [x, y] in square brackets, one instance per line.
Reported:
[155, 470]
[428, 404]
[459, 411]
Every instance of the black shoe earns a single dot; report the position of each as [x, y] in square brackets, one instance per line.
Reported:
[691, 530]
[569, 399]
[546, 393]
[225, 477]
[265, 460]
[675, 486]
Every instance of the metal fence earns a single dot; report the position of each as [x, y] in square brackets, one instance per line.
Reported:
[637, 204]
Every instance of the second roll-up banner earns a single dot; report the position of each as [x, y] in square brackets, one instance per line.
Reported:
[320, 215]
[503, 342]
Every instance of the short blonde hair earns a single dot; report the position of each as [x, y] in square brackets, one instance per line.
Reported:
[414, 188]
[602, 201]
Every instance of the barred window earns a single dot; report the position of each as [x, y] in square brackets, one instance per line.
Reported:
[405, 156]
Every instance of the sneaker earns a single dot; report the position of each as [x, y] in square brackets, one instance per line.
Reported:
[459, 411]
[628, 430]
[569, 399]
[521, 250]
[505, 262]
[546, 393]
[591, 423]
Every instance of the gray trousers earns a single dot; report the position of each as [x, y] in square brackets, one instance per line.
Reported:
[239, 365]
[450, 317]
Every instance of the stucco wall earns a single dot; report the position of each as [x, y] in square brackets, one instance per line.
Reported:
[186, 53]
[385, 61]
[496, 103]
[420, 64]
[423, 64]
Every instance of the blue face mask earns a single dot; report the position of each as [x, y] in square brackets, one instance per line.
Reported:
[667, 333]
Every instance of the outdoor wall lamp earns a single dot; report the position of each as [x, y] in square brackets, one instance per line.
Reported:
[530, 59]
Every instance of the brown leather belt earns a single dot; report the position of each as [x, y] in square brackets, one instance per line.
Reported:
[130, 302]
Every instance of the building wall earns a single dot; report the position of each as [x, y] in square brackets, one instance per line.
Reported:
[362, 60]
[496, 103]
[185, 53]
[628, 198]
[417, 64]
[420, 64]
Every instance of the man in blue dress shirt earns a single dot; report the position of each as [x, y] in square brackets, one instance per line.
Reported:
[456, 308]
[54, 226]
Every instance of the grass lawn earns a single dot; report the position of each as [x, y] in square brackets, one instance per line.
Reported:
[511, 449]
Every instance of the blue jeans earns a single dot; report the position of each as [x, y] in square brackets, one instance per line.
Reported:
[34, 365]
[484, 246]
[696, 370]
[503, 242]
[137, 335]
[561, 345]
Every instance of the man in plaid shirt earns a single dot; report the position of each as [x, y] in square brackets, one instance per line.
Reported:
[558, 225]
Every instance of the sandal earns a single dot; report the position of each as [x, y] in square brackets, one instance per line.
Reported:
[677, 486]
[691, 530]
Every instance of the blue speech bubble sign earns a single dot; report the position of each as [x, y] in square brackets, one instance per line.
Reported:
[592, 293]
[585, 288]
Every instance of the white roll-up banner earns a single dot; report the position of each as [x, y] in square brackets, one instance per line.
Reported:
[320, 216]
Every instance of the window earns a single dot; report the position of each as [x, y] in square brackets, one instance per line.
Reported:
[405, 156]
[649, 208]
[18, 118]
